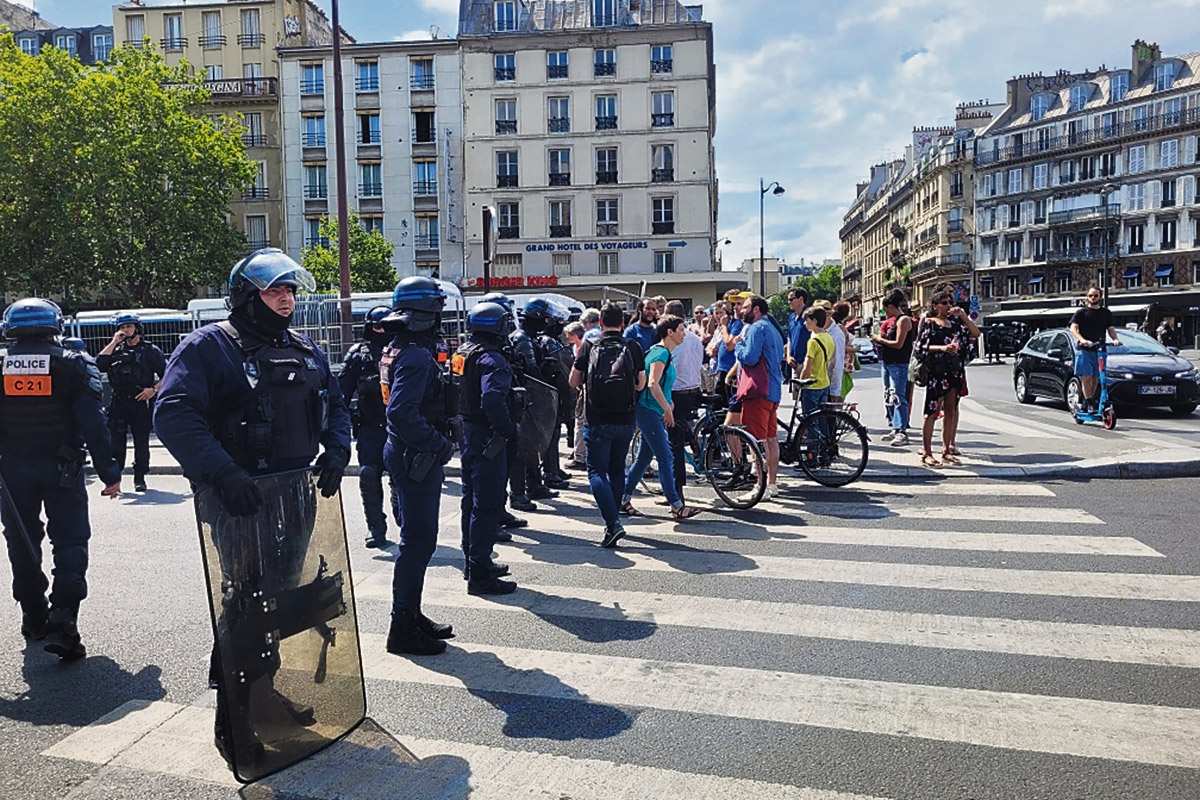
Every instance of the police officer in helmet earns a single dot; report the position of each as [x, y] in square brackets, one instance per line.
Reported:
[49, 408]
[135, 368]
[359, 380]
[485, 384]
[543, 321]
[245, 397]
[417, 448]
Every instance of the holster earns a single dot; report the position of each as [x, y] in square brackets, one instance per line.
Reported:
[70, 464]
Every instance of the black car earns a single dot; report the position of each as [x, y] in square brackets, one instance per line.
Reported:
[1141, 372]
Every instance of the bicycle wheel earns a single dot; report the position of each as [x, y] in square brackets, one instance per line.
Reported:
[736, 467]
[833, 447]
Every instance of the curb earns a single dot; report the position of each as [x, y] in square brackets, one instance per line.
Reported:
[1109, 468]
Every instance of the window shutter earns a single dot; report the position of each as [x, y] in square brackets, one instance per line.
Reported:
[1027, 212]
[1189, 150]
[1002, 216]
[1189, 190]
[998, 184]
[1151, 157]
[1155, 194]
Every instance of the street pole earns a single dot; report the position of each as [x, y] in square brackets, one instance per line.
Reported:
[343, 224]
[762, 269]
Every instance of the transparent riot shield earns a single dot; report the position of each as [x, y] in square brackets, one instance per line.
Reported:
[287, 650]
[539, 419]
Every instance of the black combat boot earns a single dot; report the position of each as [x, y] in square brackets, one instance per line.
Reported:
[229, 730]
[481, 580]
[139, 483]
[539, 492]
[507, 520]
[377, 540]
[406, 637]
[495, 567]
[62, 636]
[522, 503]
[33, 619]
[434, 630]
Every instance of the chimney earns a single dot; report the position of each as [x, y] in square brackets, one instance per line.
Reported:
[1143, 56]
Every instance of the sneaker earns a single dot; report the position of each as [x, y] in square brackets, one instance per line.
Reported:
[772, 491]
[900, 439]
[750, 496]
[887, 437]
[612, 535]
[139, 485]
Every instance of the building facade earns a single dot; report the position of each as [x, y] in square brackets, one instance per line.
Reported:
[90, 45]
[1084, 170]
[589, 128]
[234, 45]
[403, 125]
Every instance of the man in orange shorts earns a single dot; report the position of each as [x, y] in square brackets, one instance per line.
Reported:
[762, 341]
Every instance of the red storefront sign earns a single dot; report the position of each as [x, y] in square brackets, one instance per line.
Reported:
[515, 282]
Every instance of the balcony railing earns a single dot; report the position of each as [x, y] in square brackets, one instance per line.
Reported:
[256, 244]
[1014, 222]
[256, 193]
[666, 120]
[662, 66]
[241, 87]
[560, 231]
[423, 136]
[316, 241]
[1075, 254]
[560, 179]
[506, 181]
[312, 87]
[428, 241]
[560, 124]
[1014, 259]
[954, 226]
[606, 123]
[136, 44]
[955, 260]
[211, 42]
[506, 73]
[510, 232]
[662, 227]
[1103, 133]
[1038, 258]
[174, 45]
[606, 177]
[425, 188]
[504, 127]
[662, 175]
[556, 71]
[602, 70]
[314, 140]
[1168, 202]
[369, 137]
[1167, 245]
[607, 229]
[251, 39]
[316, 191]
[421, 82]
[370, 84]
[370, 190]
[956, 191]
[1086, 213]
[254, 139]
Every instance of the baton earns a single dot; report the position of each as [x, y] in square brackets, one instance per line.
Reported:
[8, 498]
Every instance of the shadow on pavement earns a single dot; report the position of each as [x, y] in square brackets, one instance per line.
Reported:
[587, 620]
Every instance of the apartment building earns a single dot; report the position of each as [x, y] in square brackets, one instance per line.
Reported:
[1086, 169]
[589, 128]
[234, 45]
[91, 45]
[871, 260]
[403, 128]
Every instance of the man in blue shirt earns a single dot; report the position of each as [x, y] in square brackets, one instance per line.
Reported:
[762, 341]
[797, 343]
[644, 331]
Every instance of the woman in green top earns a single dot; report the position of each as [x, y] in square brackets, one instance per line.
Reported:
[655, 413]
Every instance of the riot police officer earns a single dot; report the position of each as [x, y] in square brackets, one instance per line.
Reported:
[485, 381]
[359, 381]
[247, 396]
[50, 407]
[417, 449]
[544, 321]
[524, 480]
[135, 368]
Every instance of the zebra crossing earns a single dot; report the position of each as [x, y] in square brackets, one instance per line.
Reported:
[883, 640]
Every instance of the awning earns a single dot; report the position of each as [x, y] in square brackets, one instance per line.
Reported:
[1036, 279]
[1131, 273]
[1164, 270]
[1133, 308]
[1029, 313]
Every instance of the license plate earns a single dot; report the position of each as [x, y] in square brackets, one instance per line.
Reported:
[1156, 390]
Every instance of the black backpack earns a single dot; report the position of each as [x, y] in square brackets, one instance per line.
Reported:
[611, 376]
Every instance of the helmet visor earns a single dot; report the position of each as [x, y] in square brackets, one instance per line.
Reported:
[267, 269]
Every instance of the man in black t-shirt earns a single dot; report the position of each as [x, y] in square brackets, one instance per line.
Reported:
[610, 417]
[1089, 326]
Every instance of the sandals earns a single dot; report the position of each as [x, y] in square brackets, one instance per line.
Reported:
[928, 460]
[950, 456]
[953, 451]
[684, 512]
[628, 510]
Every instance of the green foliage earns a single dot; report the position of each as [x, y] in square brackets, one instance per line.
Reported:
[370, 259]
[825, 285]
[114, 180]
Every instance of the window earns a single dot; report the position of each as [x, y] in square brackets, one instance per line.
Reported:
[1087, 168]
[1118, 87]
[214, 72]
[1166, 237]
[956, 184]
[1014, 181]
[1039, 248]
[985, 288]
[1043, 139]
[211, 23]
[955, 223]
[610, 266]
[986, 186]
[1014, 251]
[1166, 275]
[314, 131]
[251, 35]
[1063, 281]
[664, 261]
[1164, 76]
[1137, 237]
[506, 116]
[1014, 215]
[256, 231]
[663, 110]
[1137, 196]
[1039, 212]
[312, 233]
[1041, 176]
[1013, 285]
[427, 232]
[424, 127]
[1196, 272]
[1108, 124]
[312, 79]
[316, 184]
[506, 169]
[560, 115]
[172, 32]
[506, 67]
[252, 82]
[560, 264]
[368, 129]
[135, 30]
[604, 12]
[1039, 105]
[560, 218]
[1079, 96]
[1108, 165]
[28, 46]
[1137, 159]
[1037, 284]
[422, 73]
[425, 182]
[556, 65]
[560, 167]
[372, 223]
[508, 265]
[664, 215]
[66, 43]
[254, 136]
[1132, 278]
[370, 179]
[1141, 118]
[258, 189]
[1168, 193]
[1066, 171]
[606, 165]
[606, 217]
[367, 79]
[1168, 154]
[1172, 111]
[606, 112]
[606, 63]
[662, 157]
[661, 60]
[505, 15]
[508, 220]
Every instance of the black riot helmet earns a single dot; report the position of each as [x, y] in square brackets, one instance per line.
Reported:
[417, 305]
[490, 319]
[374, 317]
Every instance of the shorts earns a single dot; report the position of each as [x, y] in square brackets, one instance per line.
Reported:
[760, 418]
[1087, 363]
[728, 392]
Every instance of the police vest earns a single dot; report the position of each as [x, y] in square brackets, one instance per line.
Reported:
[277, 424]
[41, 381]
[439, 402]
[467, 378]
[368, 388]
[127, 373]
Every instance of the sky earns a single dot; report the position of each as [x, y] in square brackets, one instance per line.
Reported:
[811, 93]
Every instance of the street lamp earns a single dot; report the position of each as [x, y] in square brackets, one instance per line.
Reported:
[776, 190]
[720, 257]
[1105, 191]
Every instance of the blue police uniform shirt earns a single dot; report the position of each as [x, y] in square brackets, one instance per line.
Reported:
[763, 341]
[642, 334]
[415, 379]
[207, 372]
[725, 357]
[798, 336]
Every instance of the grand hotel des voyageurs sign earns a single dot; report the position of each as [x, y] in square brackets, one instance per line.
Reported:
[545, 281]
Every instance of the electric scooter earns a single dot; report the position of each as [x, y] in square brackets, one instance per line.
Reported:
[1105, 413]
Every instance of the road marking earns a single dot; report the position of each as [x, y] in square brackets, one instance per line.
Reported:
[1046, 724]
[1168, 647]
[860, 510]
[939, 487]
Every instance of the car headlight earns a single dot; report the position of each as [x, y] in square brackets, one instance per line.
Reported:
[1190, 374]
[1119, 376]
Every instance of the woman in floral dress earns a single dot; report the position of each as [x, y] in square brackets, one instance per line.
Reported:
[945, 341]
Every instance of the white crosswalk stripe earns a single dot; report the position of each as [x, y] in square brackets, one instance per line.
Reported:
[563, 574]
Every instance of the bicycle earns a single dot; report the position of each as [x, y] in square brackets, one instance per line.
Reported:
[732, 460]
[830, 445]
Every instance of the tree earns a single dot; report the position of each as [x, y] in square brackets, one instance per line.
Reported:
[370, 258]
[114, 180]
[826, 284]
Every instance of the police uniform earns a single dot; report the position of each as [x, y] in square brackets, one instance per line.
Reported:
[132, 369]
[524, 480]
[49, 408]
[359, 379]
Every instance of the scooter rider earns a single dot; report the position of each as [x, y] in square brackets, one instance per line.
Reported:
[359, 381]
[49, 406]
[1089, 325]
[416, 451]
[135, 368]
[485, 384]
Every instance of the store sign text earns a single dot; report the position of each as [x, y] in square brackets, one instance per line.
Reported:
[580, 246]
[512, 282]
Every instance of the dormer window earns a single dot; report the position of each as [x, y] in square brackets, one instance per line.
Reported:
[1079, 96]
[1118, 87]
[28, 46]
[1164, 76]
[1039, 105]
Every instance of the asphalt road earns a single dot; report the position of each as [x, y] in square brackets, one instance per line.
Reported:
[939, 639]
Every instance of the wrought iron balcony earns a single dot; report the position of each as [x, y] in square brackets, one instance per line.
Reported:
[954, 226]
[316, 192]
[370, 190]
[1085, 214]
[254, 139]
[256, 193]
[316, 241]
[506, 181]
[506, 73]
[312, 87]
[607, 229]
[602, 70]
[211, 42]
[241, 87]
[557, 71]
[560, 231]
[369, 137]
[560, 179]
[253, 245]
[314, 140]
[1090, 253]
[663, 227]
[666, 120]
[427, 241]
[510, 232]
[251, 39]
[606, 177]
[662, 66]
[505, 127]
[173, 45]
[423, 136]
[560, 124]
[662, 175]
[425, 188]
[606, 123]
[955, 260]
[370, 84]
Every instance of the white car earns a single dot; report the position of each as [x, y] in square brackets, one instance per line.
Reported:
[866, 350]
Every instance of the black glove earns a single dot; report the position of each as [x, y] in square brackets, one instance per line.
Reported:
[238, 493]
[330, 467]
[446, 453]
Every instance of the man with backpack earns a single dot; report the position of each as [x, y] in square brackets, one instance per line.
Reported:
[613, 369]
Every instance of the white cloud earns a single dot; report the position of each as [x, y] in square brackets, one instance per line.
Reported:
[441, 6]
[414, 36]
